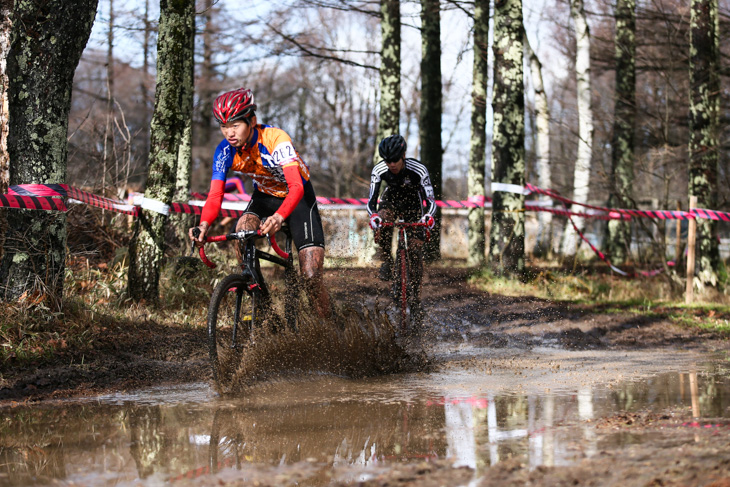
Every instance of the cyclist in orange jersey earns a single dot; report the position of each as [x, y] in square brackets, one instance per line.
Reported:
[282, 189]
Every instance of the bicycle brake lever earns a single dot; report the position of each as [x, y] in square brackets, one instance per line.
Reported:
[196, 234]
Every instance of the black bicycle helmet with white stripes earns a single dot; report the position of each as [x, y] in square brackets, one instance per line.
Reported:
[392, 148]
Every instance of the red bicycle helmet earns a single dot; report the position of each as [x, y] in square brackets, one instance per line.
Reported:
[234, 105]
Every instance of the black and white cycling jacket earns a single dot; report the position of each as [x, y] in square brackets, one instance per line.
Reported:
[413, 178]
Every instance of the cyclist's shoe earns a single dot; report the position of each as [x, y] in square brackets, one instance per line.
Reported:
[386, 270]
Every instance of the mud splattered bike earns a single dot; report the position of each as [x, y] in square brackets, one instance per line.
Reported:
[407, 276]
[239, 302]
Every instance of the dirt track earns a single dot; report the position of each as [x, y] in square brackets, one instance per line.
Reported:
[457, 314]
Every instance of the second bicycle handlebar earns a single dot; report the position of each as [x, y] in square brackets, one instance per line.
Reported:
[409, 225]
[242, 235]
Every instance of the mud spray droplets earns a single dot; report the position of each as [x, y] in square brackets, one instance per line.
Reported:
[353, 344]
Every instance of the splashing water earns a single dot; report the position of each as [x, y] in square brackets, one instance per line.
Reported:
[352, 344]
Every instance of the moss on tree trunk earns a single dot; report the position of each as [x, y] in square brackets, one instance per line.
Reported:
[389, 119]
[703, 136]
[478, 133]
[507, 234]
[47, 39]
[169, 121]
[618, 240]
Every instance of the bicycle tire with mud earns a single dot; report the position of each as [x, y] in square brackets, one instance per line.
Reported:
[232, 310]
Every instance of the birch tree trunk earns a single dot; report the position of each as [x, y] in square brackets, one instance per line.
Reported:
[542, 149]
[45, 49]
[389, 119]
[582, 171]
[703, 130]
[167, 129]
[478, 143]
[6, 8]
[430, 115]
[618, 241]
[507, 235]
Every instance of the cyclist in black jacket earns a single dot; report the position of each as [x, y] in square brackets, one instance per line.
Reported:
[409, 195]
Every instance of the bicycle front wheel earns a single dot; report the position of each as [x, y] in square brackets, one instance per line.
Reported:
[231, 315]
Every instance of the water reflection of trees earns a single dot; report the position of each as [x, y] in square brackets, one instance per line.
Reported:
[336, 434]
[33, 443]
[39, 445]
[670, 390]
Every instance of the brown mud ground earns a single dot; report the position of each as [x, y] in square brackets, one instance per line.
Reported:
[146, 353]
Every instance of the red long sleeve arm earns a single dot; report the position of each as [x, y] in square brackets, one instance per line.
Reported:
[296, 191]
[213, 201]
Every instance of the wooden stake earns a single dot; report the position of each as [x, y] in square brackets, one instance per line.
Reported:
[691, 238]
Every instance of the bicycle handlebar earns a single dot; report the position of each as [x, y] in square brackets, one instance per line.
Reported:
[242, 235]
[403, 224]
[409, 225]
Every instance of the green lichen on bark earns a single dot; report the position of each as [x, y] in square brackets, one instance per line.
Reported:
[507, 233]
[390, 24]
[182, 221]
[47, 39]
[477, 146]
[6, 8]
[170, 118]
[618, 239]
[703, 130]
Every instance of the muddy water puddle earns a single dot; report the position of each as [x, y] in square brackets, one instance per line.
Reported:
[542, 407]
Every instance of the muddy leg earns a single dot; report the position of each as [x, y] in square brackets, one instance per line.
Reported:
[311, 262]
[246, 222]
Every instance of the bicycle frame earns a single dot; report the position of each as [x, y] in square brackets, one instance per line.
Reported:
[403, 260]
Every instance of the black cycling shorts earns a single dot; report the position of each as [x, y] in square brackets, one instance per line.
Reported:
[304, 222]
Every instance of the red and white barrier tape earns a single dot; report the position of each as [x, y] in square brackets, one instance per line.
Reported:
[50, 197]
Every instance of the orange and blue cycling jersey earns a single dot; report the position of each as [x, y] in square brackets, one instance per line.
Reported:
[263, 159]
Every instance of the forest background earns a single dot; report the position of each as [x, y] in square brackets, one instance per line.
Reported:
[315, 69]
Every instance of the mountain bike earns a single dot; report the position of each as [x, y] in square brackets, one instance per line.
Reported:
[407, 276]
[240, 301]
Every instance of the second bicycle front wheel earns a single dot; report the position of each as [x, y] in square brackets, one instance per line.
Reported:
[231, 315]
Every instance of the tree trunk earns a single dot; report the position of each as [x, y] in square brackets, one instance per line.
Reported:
[507, 235]
[478, 133]
[703, 132]
[542, 150]
[389, 120]
[184, 221]
[167, 129]
[144, 79]
[148, 439]
[207, 79]
[6, 8]
[582, 171]
[430, 116]
[45, 49]
[109, 149]
[618, 241]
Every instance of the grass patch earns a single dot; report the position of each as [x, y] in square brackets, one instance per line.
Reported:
[586, 286]
[605, 293]
[98, 315]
